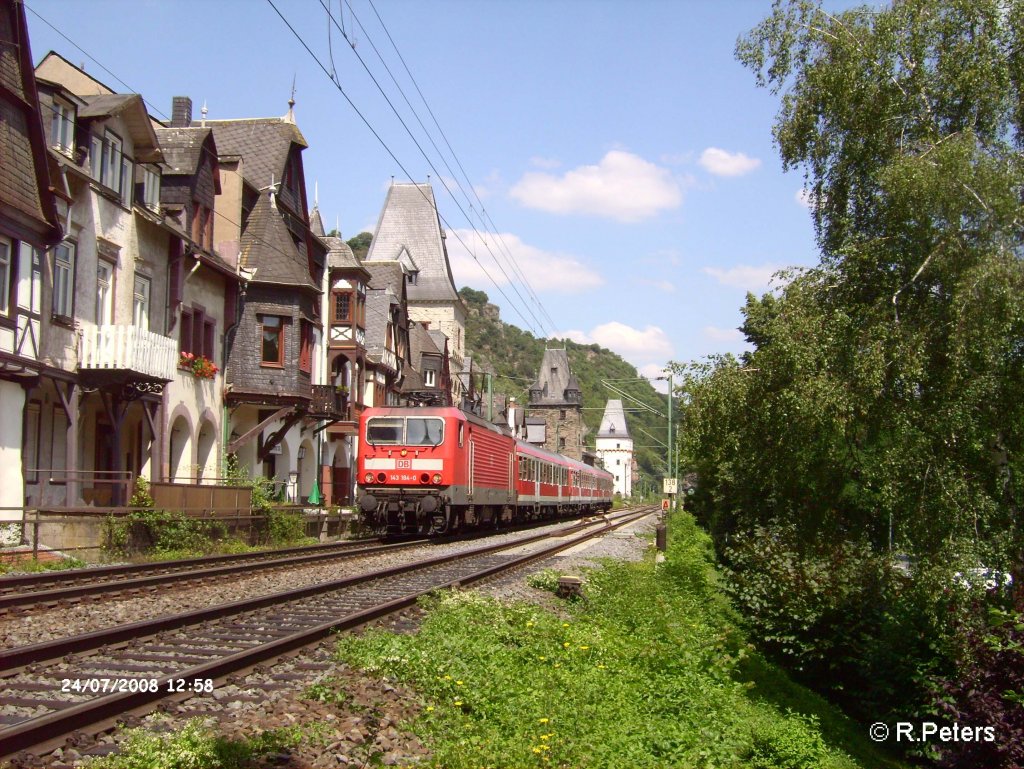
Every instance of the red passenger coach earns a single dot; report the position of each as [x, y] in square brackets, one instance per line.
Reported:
[434, 470]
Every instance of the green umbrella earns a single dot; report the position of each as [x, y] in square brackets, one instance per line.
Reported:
[314, 494]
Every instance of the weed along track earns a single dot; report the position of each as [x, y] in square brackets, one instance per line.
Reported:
[88, 682]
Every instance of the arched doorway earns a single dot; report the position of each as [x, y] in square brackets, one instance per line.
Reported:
[180, 468]
[206, 454]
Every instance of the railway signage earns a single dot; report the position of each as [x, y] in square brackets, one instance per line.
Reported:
[671, 486]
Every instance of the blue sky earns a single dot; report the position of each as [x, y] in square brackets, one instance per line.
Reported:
[622, 155]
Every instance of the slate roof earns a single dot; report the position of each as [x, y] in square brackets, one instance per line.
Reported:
[439, 338]
[182, 148]
[131, 108]
[25, 186]
[267, 244]
[264, 143]
[386, 275]
[378, 313]
[613, 424]
[553, 379]
[409, 222]
[339, 253]
[420, 344]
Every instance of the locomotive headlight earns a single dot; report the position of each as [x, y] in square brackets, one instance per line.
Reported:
[436, 478]
[368, 478]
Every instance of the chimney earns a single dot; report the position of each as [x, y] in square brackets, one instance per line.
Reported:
[181, 112]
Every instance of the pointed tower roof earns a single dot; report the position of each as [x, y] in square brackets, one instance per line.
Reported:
[613, 424]
[268, 245]
[556, 384]
[409, 224]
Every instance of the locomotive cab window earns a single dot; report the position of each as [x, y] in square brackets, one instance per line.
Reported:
[424, 432]
[384, 431]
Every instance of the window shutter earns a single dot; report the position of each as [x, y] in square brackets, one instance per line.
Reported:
[185, 334]
[209, 337]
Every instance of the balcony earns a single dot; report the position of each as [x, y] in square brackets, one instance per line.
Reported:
[328, 403]
[128, 350]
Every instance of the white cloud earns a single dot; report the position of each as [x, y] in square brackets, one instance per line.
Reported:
[729, 335]
[623, 186]
[805, 197]
[547, 163]
[633, 344]
[750, 278]
[547, 271]
[722, 163]
[652, 371]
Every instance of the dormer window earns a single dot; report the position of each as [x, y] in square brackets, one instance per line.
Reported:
[62, 127]
[151, 188]
[107, 163]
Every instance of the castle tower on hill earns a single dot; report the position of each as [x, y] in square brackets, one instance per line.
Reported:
[615, 447]
[555, 412]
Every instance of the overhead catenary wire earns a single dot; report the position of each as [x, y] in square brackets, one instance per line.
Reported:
[423, 152]
[484, 212]
[154, 109]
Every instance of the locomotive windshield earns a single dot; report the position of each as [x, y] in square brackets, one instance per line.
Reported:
[423, 432]
[398, 431]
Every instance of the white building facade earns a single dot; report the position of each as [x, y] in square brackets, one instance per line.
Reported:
[615, 447]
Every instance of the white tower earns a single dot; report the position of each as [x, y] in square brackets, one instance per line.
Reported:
[615, 447]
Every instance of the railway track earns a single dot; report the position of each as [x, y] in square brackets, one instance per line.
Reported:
[88, 682]
[20, 591]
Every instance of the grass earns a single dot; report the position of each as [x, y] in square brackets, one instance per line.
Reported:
[650, 671]
[34, 566]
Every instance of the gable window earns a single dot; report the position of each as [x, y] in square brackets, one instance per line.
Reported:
[105, 160]
[63, 279]
[272, 341]
[140, 303]
[151, 188]
[104, 293]
[62, 127]
[5, 275]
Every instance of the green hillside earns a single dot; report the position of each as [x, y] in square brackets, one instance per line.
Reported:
[514, 356]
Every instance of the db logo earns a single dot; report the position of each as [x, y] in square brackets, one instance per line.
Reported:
[403, 464]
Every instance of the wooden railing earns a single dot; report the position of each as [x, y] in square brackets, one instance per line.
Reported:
[128, 348]
[329, 402]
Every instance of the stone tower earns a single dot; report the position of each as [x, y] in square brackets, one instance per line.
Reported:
[556, 398]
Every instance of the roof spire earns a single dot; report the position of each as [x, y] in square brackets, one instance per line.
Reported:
[290, 117]
[204, 110]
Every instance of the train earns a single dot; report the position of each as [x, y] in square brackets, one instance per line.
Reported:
[440, 470]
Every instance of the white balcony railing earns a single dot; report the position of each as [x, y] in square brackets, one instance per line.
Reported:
[128, 348]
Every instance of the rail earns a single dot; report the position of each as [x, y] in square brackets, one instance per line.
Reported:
[323, 609]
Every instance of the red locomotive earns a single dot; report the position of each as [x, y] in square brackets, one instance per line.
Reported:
[436, 470]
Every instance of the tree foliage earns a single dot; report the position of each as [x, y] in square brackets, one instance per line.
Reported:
[884, 397]
[515, 356]
[360, 244]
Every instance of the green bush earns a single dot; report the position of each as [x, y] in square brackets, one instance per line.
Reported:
[647, 673]
[161, 532]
